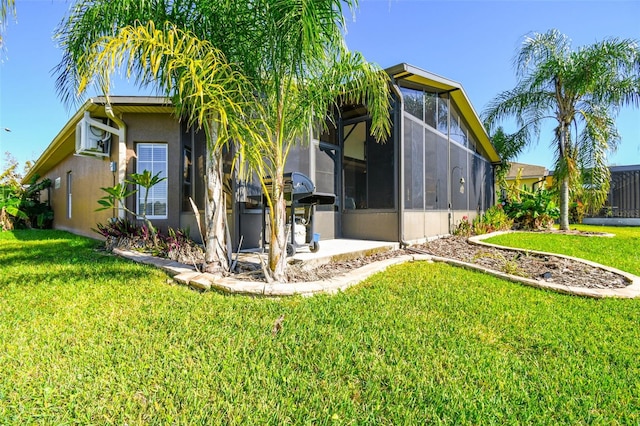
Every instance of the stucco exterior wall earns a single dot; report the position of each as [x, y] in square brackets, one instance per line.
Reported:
[164, 129]
[87, 176]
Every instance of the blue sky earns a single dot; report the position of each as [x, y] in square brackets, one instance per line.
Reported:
[472, 42]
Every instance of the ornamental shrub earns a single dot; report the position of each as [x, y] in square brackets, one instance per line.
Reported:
[576, 212]
[532, 210]
[463, 229]
[126, 234]
[20, 207]
[494, 219]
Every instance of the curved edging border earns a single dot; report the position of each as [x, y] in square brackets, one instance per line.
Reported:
[629, 292]
[187, 275]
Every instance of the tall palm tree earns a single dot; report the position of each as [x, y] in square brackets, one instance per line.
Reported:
[578, 90]
[204, 89]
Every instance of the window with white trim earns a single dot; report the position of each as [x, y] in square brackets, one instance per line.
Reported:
[153, 157]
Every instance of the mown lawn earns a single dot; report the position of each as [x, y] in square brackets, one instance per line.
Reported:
[86, 338]
[622, 252]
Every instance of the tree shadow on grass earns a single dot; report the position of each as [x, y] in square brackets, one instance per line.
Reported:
[62, 258]
[44, 235]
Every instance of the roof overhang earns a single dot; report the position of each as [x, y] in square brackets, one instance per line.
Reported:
[63, 144]
[424, 78]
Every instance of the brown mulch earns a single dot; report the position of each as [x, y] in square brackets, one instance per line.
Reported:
[297, 272]
[548, 268]
[558, 270]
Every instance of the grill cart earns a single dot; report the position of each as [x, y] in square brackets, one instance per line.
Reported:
[301, 199]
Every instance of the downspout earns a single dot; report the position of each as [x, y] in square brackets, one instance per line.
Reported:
[449, 171]
[122, 147]
[399, 135]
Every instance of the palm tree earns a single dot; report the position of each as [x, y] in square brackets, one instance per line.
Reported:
[204, 89]
[578, 90]
[178, 62]
[300, 67]
[291, 53]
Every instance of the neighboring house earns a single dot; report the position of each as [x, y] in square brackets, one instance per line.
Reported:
[531, 175]
[436, 167]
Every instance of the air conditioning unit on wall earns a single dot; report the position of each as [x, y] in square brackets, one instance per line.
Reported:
[93, 137]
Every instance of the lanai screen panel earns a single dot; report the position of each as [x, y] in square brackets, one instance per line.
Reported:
[624, 193]
[439, 149]
[477, 182]
[414, 165]
[436, 160]
[489, 181]
[459, 170]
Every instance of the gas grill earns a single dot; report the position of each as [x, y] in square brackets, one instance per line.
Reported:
[301, 198]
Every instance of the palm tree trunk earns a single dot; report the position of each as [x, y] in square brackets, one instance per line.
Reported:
[215, 210]
[564, 184]
[278, 241]
[564, 204]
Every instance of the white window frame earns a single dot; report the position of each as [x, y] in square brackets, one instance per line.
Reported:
[154, 170]
[69, 192]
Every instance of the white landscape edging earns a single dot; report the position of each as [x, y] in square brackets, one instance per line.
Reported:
[630, 291]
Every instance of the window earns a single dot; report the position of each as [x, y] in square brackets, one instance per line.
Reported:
[69, 205]
[153, 157]
[413, 102]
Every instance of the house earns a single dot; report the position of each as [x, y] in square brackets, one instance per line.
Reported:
[531, 175]
[435, 168]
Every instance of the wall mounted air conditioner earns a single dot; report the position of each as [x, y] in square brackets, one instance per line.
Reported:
[93, 137]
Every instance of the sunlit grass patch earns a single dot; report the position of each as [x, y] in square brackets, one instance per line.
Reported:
[622, 251]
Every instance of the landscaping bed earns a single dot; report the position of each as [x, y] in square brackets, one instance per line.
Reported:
[558, 270]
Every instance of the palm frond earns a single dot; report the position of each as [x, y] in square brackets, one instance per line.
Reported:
[191, 71]
[541, 49]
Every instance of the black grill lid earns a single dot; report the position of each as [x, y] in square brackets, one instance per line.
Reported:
[301, 188]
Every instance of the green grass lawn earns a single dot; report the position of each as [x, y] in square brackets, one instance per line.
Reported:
[87, 338]
[622, 252]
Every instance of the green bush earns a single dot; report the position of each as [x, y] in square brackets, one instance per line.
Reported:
[494, 219]
[532, 209]
[21, 207]
[463, 229]
[126, 234]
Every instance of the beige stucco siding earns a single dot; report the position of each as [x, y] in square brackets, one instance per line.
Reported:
[87, 176]
[90, 174]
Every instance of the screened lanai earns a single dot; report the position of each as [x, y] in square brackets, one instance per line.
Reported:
[623, 200]
[435, 168]
[447, 167]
